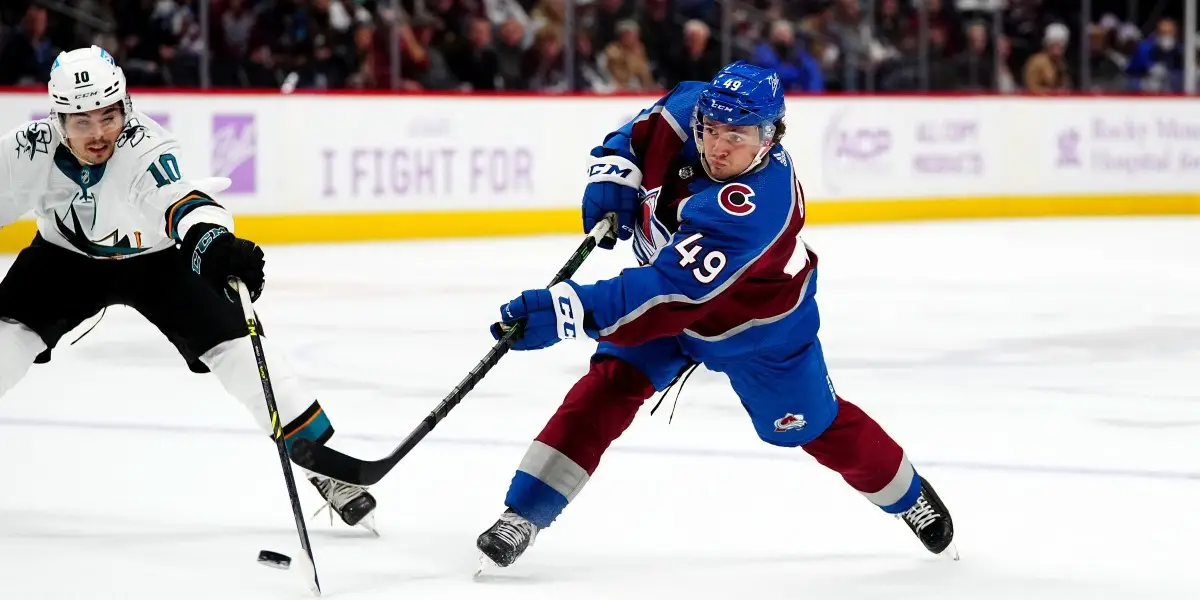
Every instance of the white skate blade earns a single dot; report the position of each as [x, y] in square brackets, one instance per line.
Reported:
[368, 523]
[950, 552]
[485, 564]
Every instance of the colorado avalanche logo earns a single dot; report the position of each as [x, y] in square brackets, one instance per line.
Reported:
[650, 235]
[734, 198]
[789, 422]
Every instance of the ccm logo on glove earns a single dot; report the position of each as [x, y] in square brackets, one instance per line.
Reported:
[615, 169]
[569, 307]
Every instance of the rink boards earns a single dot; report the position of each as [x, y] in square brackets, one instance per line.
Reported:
[347, 167]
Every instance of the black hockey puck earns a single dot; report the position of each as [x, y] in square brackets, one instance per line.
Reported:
[274, 559]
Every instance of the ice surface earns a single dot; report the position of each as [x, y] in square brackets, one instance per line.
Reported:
[1042, 374]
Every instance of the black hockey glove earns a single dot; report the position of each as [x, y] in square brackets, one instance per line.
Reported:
[216, 255]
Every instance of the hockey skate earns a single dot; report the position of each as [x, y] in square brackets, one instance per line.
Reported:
[505, 541]
[930, 521]
[353, 504]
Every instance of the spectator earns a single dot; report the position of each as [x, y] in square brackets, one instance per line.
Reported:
[798, 72]
[1107, 66]
[892, 25]
[318, 67]
[86, 32]
[543, 66]
[943, 76]
[697, 58]
[509, 49]
[975, 65]
[1006, 82]
[1025, 24]
[588, 77]
[859, 52]
[367, 55]
[374, 58]
[232, 38]
[609, 14]
[1157, 64]
[1046, 71]
[28, 52]
[500, 12]
[261, 70]
[335, 43]
[475, 62]
[819, 39]
[660, 36]
[434, 72]
[943, 24]
[550, 14]
[625, 60]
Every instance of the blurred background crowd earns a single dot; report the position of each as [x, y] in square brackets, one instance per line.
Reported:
[604, 46]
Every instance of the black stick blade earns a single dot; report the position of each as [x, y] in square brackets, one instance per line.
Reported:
[323, 460]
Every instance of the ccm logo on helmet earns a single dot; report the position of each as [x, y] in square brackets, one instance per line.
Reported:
[734, 198]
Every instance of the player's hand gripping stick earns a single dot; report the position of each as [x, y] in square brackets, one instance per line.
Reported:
[323, 460]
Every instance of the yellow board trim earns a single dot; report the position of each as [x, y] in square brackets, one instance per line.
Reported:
[361, 227]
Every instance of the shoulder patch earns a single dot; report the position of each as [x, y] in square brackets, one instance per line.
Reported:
[734, 199]
[133, 134]
[34, 139]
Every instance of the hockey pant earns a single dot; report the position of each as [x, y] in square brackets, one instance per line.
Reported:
[49, 291]
[788, 395]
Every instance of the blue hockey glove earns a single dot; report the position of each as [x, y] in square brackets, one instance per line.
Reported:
[614, 186]
[549, 316]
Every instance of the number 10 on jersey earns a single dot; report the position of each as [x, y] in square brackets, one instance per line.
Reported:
[166, 171]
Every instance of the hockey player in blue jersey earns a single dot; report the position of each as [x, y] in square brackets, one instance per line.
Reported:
[711, 200]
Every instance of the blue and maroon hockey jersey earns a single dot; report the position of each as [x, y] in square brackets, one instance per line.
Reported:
[723, 266]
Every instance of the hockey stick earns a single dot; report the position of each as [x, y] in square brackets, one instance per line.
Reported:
[314, 583]
[326, 461]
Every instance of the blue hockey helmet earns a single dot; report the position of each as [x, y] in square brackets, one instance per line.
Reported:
[741, 94]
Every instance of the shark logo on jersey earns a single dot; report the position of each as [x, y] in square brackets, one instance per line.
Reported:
[111, 246]
[35, 139]
[83, 196]
[133, 134]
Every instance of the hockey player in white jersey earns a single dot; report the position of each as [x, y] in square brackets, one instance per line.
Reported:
[122, 220]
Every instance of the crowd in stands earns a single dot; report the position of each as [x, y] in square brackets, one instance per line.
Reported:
[615, 45]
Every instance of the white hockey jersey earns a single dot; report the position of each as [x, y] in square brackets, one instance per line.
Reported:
[140, 201]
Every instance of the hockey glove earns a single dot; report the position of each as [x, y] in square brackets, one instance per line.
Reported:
[215, 254]
[549, 316]
[614, 186]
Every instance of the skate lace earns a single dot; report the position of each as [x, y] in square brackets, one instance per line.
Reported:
[337, 495]
[921, 515]
[514, 529]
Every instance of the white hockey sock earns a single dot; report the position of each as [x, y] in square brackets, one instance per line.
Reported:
[19, 345]
[234, 364]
